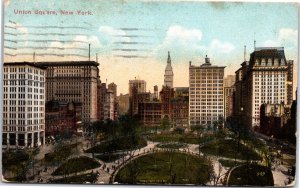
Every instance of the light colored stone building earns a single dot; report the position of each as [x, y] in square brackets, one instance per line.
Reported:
[265, 79]
[74, 81]
[23, 105]
[206, 94]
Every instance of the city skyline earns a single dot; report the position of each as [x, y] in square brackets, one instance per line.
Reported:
[136, 42]
[150, 92]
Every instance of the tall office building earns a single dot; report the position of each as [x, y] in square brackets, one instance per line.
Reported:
[180, 107]
[206, 95]
[123, 101]
[229, 88]
[139, 85]
[23, 105]
[265, 79]
[107, 102]
[166, 95]
[74, 81]
[168, 77]
[113, 88]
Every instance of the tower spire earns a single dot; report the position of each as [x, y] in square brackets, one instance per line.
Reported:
[168, 77]
[169, 58]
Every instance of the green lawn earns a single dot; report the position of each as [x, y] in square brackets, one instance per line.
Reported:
[60, 154]
[166, 167]
[175, 137]
[123, 143]
[91, 177]
[251, 175]
[76, 165]
[229, 148]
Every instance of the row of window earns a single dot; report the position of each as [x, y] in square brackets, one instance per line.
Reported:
[22, 129]
[23, 69]
[23, 122]
[23, 83]
[21, 115]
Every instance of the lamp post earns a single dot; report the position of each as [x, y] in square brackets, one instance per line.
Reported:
[239, 134]
[239, 130]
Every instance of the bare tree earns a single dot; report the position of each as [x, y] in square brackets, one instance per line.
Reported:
[216, 176]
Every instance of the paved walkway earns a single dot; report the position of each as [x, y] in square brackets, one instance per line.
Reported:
[108, 170]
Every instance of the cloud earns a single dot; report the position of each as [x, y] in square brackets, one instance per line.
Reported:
[93, 40]
[182, 35]
[217, 47]
[286, 37]
[183, 41]
[112, 34]
[271, 43]
[110, 30]
[186, 44]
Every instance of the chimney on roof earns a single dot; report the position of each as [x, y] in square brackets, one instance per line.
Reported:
[207, 60]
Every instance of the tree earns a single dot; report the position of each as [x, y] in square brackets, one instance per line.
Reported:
[216, 176]
[165, 123]
[134, 171]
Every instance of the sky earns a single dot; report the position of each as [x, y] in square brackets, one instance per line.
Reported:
[132, 38]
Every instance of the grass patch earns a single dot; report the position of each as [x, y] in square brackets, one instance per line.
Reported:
[76, 165]
[229, 148]
[166, 167]
[251, 175]
[91, 177]
[9, 158]
[109, 157]
[172, 145]
[185, 138]
[124, 143]
[60, 154]
[229, 163]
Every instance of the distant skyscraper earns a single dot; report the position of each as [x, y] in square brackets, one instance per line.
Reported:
[123, 101]
[139, 85]
[168, 80]
[113, 88]
[156, 92]
[206, 100]
[180, 106]
[166, 95]
[228, 95]
[108, 102]
[229, 80]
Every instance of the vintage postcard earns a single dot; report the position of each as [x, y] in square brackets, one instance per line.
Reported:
[149, 92]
